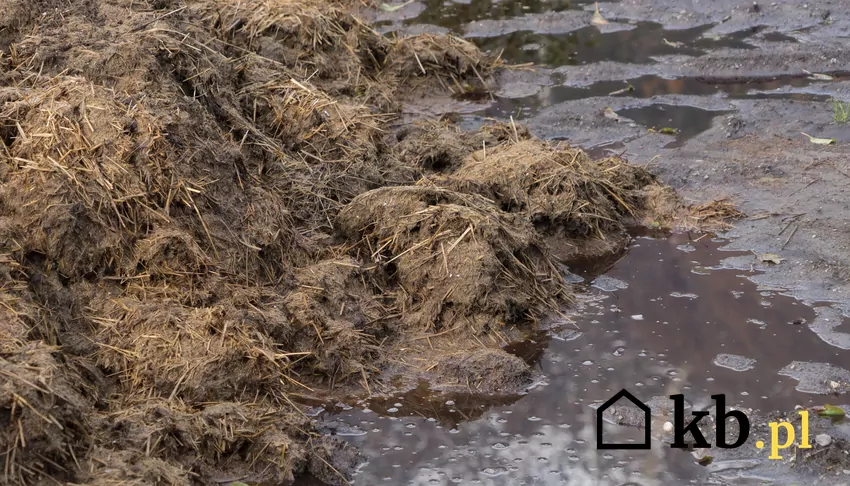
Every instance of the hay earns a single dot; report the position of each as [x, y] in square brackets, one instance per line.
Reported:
[44, 401]
[339, 318]
[455, 63]
[68, 181]
[714, 215]
[485, 370]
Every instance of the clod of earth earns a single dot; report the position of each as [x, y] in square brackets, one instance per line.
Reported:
[206, 215]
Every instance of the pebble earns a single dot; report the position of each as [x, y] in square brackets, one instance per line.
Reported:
[668, 426]
[823, 440]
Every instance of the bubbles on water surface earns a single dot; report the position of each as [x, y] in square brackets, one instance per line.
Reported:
[494, 471]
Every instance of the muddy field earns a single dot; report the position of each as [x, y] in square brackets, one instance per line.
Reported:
[213, 212]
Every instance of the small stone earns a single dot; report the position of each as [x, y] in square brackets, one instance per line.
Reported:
[823, 440]
[834, 385]
[668, 426]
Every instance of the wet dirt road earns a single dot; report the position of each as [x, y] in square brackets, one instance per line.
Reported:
[736, 83]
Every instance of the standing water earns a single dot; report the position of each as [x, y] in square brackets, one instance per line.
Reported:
[669, 317]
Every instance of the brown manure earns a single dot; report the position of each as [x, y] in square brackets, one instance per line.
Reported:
[455, 259]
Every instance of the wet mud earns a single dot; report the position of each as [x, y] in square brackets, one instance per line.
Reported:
[747, 110]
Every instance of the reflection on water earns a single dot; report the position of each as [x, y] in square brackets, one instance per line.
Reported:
[651, 85]
[518, 32]
[677, 322]
[688, 121]
[588, 44]
[455, 15]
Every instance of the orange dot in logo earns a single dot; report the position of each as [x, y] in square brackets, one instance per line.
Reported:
[760, 444]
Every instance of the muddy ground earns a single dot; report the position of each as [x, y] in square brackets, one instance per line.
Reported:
[741, 110]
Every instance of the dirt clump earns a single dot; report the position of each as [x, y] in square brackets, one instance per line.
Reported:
[488, 371]
[206, 215]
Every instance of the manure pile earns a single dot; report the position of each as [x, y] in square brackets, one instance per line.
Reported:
[206, 215]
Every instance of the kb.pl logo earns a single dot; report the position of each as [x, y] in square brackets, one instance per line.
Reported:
[680, 428]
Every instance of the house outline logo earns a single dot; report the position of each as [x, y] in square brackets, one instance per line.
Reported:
[600, 443]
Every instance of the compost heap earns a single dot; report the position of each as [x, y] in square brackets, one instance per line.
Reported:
[206, 215]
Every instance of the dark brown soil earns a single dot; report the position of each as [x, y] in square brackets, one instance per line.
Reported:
[206, 213]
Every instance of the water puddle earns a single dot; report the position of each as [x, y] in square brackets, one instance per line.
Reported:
[651, 85]
[455, 15]
[639, 44]
[779, 37]
[556, 33]
[689, 121]
[792, 96]
[667, 317]
[685, 121]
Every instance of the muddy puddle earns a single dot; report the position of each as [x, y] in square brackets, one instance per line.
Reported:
[651, 85]
[670, 316]
[639, 43]
[683, 121]
[455, 15]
